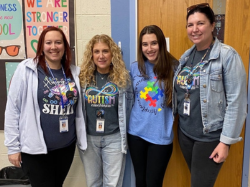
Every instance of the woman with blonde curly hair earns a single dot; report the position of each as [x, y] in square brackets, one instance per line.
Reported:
[107, 103]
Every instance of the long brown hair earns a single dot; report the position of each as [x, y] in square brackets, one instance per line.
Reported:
[164, 66]
[66, 59]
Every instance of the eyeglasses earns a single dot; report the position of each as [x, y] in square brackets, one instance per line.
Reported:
[11, 50]
[202, 5]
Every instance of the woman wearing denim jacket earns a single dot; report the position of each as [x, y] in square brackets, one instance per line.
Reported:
[210, 98]
[107, 101]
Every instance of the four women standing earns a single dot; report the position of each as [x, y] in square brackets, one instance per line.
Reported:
[209, 95]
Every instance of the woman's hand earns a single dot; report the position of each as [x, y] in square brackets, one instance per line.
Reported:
[220, 153]
[15, 159]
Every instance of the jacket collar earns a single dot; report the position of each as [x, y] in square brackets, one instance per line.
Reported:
[30, 63]
[214, 54]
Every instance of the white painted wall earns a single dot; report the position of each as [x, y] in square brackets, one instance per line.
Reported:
[91, 18]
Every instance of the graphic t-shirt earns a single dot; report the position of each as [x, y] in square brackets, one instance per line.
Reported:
[51, 108]
[150, 118]
[192, 125]
[103, 97]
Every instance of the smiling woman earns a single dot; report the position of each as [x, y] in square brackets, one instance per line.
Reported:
[210, 100]
[150, 47]
[150, 133]
[199, 30]
[108, 98]
[53, 49]
[41, 129]
[102, 57]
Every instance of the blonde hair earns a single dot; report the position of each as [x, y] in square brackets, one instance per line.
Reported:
[118, 73]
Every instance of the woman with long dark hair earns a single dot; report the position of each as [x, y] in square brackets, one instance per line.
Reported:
[150, 133]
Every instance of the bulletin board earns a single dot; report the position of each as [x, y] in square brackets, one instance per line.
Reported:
[21, 23]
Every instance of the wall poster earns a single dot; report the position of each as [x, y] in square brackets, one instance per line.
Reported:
[11, 30]
[40, 14]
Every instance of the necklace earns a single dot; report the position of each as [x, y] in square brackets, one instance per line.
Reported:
[190, 77]
[102, 76]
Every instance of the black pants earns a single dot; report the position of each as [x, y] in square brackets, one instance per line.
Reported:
[150, 161]
[204, 170]
[48, 170]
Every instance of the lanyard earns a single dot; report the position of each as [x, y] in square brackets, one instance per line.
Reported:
[189, 80]
[66, 83]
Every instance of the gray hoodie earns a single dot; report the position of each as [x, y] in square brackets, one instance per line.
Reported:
[22, 128]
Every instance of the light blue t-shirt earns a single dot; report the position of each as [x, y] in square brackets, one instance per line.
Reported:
[150, 118]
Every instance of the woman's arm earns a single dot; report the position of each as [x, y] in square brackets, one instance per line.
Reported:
[12, 112]
[234, 80]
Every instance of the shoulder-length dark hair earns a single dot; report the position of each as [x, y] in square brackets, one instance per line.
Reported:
[164, 66]
[66, 59]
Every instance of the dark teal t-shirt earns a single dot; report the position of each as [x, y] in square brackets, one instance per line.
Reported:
[51, 108]
[192, 125]
[104, 97]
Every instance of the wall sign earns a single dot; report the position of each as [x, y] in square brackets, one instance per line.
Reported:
[11, 30]
[219, 8]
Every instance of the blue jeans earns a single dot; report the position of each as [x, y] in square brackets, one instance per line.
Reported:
[103, 161]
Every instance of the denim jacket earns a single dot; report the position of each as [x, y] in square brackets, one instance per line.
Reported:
[125, 102]
[223, 94]
[22, 127]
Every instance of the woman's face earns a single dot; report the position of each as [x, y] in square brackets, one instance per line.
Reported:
[199, 30]
[53, 47]
[150, 47]
[102, 57]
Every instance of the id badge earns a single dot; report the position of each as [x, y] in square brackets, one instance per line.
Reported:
[63, 124]
[100, 125]
[186, 107]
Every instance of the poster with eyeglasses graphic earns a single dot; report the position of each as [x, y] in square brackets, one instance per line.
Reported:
[12, 44]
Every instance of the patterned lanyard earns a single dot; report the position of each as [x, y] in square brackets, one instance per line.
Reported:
[66, 83]
[190, 76]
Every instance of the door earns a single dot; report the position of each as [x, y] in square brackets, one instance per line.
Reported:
[170, 16]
